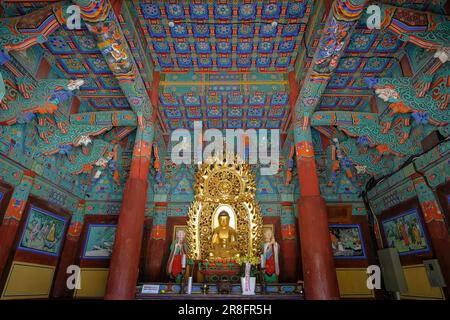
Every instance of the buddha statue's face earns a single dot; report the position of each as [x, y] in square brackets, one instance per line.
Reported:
[224, 220]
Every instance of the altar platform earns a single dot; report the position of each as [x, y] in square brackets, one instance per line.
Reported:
[171, 291]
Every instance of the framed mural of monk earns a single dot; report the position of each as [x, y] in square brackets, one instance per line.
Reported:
[406, 233]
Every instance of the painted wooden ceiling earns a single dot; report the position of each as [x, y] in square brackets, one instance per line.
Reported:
[369, 54]
[223, 36]
[73, 54]
[239, 100]
[224, 62]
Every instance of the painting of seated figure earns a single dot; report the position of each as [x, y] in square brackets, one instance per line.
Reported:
[43, 232]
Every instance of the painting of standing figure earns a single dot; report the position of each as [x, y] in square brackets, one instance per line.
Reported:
[99, 241]
[346, 241]
[43, 232]
[405, 232]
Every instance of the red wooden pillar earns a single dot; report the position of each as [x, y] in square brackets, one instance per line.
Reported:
[154, 98]
[289, 249]
[435, 224]
[145, 254]
[318, 264]
[124, 267]
[319, 272]
[69, 253]
[154, 94]
[117, 6]
[157, 245]
[12, 217]
[294, 90]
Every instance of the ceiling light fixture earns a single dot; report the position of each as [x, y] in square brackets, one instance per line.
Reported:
[171, 24]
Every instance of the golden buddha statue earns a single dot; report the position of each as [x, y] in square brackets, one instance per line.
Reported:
[224, 239]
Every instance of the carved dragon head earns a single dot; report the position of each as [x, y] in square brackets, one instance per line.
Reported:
[443, 54]
[75, 84]
[387, 93]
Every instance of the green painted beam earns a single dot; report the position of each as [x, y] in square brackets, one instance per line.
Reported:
[107, 118]
[428, 30]
[342, 118]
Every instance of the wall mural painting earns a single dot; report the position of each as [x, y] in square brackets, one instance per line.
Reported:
[43, 232]
[405, 232]
[346, 241]
[99, 241]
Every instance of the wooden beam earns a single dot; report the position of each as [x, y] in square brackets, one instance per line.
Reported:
[342, 118]
[107, 118]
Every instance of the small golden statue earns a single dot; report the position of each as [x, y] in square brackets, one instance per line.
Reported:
[224, 237]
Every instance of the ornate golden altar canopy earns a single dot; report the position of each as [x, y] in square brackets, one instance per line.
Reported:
[228, 186]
